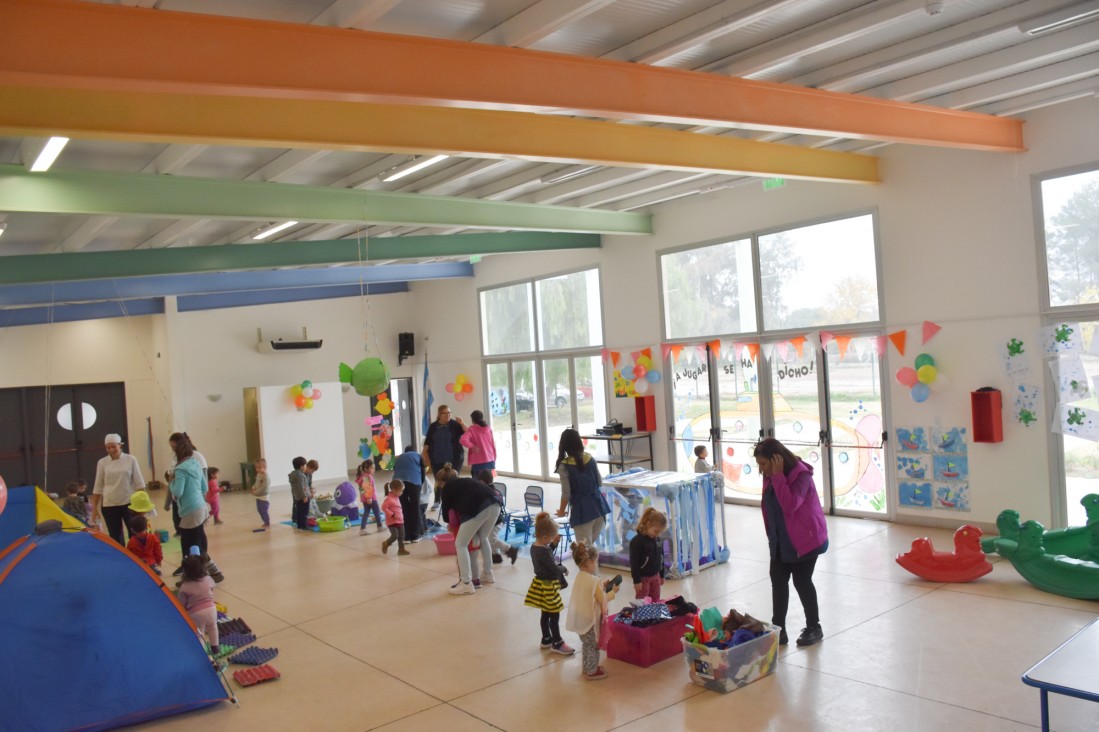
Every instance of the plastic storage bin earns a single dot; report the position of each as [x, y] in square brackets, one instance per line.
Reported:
[332, 523]
[647, 645]
[732, 668]
[444, 543]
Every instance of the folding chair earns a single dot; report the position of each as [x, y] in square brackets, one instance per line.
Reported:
[535, 497]
[511, 515]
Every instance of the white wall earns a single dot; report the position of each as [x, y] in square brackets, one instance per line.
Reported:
[315, 434]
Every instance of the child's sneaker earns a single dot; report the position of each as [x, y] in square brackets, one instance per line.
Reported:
[462, 588]
[477, 583]
[488, 578]
[385, 546]
[513, 554]
[546, 645]
[403, 553]
[497, 558]
[563, 648]
[596, 675]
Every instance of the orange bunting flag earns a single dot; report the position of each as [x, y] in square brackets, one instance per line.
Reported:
[843, 342]
[898, 340]
[615, 356]
[753, 351]
[879, 345]
[715, 348]
[676, 350]
[798, 342]
[929, 330]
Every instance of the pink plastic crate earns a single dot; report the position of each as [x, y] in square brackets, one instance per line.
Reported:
[649, 645]
[444, 543]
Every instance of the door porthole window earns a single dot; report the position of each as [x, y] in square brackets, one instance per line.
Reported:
[65, 416]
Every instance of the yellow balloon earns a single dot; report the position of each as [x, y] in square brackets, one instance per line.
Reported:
[926, 374]
[296, 389]
[308, 403]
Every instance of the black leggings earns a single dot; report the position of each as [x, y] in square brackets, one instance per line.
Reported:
[802, 572]
[192, 537]
[551, 630]
[410, 505]
[115, 517]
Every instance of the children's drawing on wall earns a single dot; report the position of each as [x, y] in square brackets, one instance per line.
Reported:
[1013, 355]
[912, 439]
[951, 467]
[1061, 338]
[952, 497]
[949, 441]
[914, 495]
[1071, 378]
[1026, 404]
[1077, 421]
[912, 467]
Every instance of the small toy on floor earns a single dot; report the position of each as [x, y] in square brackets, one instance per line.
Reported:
[233, 625]
[254, 656]
[255, 675]
[237, 640]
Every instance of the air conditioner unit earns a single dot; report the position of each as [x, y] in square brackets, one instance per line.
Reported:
[286, 345]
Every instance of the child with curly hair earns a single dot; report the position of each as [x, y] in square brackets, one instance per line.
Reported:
[588, 608]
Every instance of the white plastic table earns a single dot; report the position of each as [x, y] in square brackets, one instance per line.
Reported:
[1071, 670]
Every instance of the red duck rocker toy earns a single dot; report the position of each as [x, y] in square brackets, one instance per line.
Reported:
[966, 563]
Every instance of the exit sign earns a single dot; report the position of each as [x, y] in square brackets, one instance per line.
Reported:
[770, 184]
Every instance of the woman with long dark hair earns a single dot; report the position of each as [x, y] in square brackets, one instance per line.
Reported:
[796, 532]
[581, 498]
[188, 488]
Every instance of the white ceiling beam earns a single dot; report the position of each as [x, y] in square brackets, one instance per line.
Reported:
[652, 182]
[595, 181]
[512, 185]
[1039, 51]
[696, 30]
[29, 150]
[1081, 89]
[367, 175]
[83, 235]
[173, 158]
[354, 13]
[704, 184]
[1053, 75]
[891, 62]
[172, 233]
[843, 28]
[287, 163]
[470, 170]
[540, 20]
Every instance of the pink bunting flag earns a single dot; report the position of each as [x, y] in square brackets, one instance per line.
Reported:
[879, 345]
[665, 351]
[929, 330]
[606, 354]
[783, 349]
[826, 338]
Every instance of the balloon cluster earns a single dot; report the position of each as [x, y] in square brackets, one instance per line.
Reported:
[923, 379]
[641, 374]
[460, 387]
[304, 395]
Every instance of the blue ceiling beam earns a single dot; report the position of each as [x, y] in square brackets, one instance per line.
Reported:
[83, 311]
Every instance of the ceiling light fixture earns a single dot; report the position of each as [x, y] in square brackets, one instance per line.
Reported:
[1059, 19]
[568, 173]
[49, 153]
[411, 167]
[274, 229]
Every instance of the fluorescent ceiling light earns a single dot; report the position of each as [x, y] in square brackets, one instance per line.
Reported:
[49, 153]
[274, 229]
[1062, 18]
[411, 167]
[568, 173]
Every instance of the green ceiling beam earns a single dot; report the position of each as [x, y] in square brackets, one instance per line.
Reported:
[34, 268]
[130, 194]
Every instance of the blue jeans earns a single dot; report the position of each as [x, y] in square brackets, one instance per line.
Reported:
[476, 468]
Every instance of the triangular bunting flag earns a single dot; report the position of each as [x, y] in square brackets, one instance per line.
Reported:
[715, 348]
[879, 345]
[700, 352]
[826, 337]
[898, 340]
[929, 330]
[798, 342]
[615, 357]
[843, 342]
[769, 351]
[861, 345]
[606, 354]
[783, 349]
[665, 351]
[753, 351]
[676, 350]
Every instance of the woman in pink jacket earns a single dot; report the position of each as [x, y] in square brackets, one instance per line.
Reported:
[481, 445]
[796, 532]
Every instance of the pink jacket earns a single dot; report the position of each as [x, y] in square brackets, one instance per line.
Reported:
[480, 443]
[391, 507]
[797, 496]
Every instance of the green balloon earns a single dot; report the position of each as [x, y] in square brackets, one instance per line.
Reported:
[370, 377]
[924, 360]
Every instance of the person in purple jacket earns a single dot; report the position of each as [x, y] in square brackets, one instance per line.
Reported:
[796, 532]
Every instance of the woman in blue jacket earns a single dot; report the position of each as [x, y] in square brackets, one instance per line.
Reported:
[188, 487]
[796, 532]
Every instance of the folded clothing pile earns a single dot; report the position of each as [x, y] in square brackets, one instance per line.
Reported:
[713, 630]
[641, 613]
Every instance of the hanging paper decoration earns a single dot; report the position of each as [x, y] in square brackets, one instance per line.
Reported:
[676, 350]
[369, 377]
[460, 387]
[929, 331]
[753, 351]
[879, 345]
[384, 405]
[783, 349]
[898, 338]
[303, 395]
[922, 378]
[843, 342]
[826, 337]
[798, 342]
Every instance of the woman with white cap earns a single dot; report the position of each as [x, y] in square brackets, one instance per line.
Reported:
[117, 476]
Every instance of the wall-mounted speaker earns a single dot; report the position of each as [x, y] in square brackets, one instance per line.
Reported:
[406, 347]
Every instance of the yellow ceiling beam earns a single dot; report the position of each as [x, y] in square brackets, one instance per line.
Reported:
[298, 123]
[100, 46]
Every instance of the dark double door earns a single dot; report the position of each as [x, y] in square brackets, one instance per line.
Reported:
[50, 435]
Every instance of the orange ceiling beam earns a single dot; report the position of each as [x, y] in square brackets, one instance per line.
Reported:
[97, 46]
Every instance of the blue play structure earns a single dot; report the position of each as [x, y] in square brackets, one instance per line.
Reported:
[79, 617]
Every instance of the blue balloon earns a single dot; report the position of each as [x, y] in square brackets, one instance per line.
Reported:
[920, 392]
[627, 373]
[653, 376]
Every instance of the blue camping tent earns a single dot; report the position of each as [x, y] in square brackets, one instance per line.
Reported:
[27, 507]
[91, 640]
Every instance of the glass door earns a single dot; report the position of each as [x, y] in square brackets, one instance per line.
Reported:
[855, 448]
[796, 408]
[560, 404]
[739, 425]
[689, 383]
[501, 406]
[514, 416]
[1079, 455]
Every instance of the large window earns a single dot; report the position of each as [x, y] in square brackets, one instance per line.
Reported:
[708, 290]
[569, 313]
[507, 320]
[1070, 212]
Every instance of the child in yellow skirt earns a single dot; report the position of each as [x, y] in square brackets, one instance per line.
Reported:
[549, 578]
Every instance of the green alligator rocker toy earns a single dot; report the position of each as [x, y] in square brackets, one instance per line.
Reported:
[1062, 561]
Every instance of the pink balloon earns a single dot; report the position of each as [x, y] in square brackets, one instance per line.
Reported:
[316, 394]
[459, 396]
[906, 376]
[450, 388]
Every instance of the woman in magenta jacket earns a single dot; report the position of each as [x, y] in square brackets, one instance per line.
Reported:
[481, 445]
[796, 532]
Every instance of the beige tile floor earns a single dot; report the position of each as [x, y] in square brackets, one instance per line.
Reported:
[373, 641]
